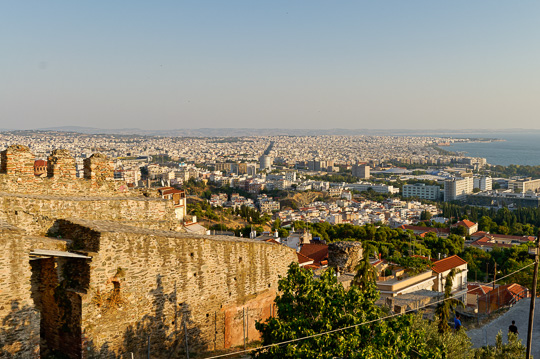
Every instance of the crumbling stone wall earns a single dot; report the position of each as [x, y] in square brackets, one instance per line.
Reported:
[17, 160]
[19, 320]
[140, 283]
[98, 168]
[17, 174]
[38, 213]
[61, 165]
[149, 283]
[344, 256]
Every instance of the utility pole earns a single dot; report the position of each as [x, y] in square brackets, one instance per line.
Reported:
[494, 275]
[533, 297]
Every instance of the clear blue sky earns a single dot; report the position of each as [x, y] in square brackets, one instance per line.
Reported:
[287, 64]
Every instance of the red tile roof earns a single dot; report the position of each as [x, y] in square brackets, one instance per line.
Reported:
[486, 241]
[481, 234]
[447, 263]
[317, 252]
[478, 289]
[514, 288]
[303, 259]
[506, 294]
[465, 223]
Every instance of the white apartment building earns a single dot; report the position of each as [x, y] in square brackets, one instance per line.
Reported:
[361, 171]
[523, 185]
[420, 190]
[290, 176]
[457, 189]
[381, 188]
[483, 183]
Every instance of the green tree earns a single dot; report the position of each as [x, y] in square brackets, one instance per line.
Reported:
[425, 215]
[444, 309]
[365, 276]
[308, 306]
[513, 349]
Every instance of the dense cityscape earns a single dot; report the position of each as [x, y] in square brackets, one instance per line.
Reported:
[430, 225]
[269, 180]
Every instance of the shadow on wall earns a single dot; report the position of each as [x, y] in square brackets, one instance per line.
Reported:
[19, 332]
[155, 337]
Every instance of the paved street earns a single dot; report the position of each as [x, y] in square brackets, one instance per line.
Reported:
[519, 313]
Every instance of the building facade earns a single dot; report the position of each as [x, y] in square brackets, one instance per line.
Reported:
[361, 171]
[420, 190]
[456, 189]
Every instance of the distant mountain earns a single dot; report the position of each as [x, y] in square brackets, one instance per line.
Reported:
[239, 132]
[94, 130]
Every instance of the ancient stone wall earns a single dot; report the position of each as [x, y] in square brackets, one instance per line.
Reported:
[17, 174]
[150, 283]
[61, 165]
[344, 256]
[98, 168]
[19, 320]
[18, 161]
[37, 213]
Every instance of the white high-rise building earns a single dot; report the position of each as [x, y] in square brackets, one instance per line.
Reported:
[361, 171]
[265, 162]
[457, 189]
[483, 183]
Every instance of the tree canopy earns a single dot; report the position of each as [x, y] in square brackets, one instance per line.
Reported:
[308, 306]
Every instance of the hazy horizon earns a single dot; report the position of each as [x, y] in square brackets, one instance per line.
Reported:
[316, 65]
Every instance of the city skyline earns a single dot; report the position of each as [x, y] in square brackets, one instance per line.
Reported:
[315, 65]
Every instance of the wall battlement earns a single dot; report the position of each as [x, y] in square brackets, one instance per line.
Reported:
[61, 165]
[17, 160]
[17, 173]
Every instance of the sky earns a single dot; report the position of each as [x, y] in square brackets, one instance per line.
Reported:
[270, 64]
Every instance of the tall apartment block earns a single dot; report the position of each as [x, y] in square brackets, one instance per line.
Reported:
[361, 171]
[456, 189]
[483, 183]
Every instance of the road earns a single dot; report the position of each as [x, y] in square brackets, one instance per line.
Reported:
[519, 313]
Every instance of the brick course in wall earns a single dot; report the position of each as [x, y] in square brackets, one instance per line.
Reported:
[17, 174]
[17, 160]
[61, 165]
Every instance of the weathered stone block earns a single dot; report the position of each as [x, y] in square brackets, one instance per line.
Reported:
[17, 160]
[98, 168]
[61, 165]
[344, 256]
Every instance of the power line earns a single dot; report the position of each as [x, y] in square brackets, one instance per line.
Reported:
[359, 324]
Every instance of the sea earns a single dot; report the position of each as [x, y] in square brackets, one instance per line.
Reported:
[518, 148]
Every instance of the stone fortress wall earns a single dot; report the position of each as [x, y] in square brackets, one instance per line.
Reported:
[34, 203]
[19, 320]
[17, 174]
[125, 275]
